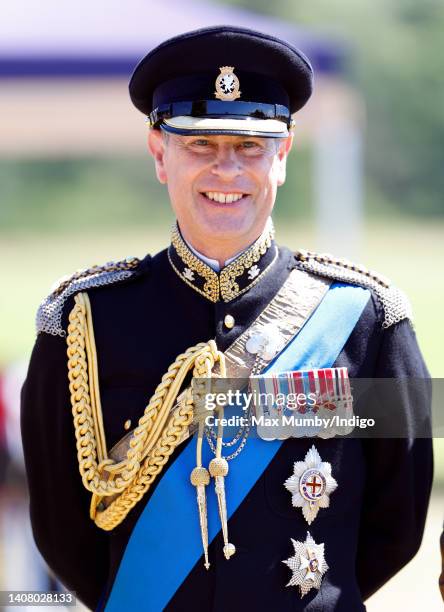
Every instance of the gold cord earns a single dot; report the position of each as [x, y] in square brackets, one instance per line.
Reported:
[154, 439]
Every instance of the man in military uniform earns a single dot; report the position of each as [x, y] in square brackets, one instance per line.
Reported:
[300, 523]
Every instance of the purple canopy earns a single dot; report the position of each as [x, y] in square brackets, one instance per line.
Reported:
[107, 37]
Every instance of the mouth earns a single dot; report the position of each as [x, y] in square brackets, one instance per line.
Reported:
[219, 197]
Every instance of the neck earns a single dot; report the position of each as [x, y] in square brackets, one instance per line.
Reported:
[220, 250]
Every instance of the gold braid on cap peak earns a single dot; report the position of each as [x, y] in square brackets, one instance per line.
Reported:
[395, 304]
[116, 487]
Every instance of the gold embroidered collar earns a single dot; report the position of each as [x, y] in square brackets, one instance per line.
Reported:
[234, 279]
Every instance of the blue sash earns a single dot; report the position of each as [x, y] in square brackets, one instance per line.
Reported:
[166, 542]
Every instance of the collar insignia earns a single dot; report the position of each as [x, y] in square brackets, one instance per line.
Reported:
[227, 84]
[235, 278]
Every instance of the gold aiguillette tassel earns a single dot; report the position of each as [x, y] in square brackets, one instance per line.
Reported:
[219, 469]
[200, 478]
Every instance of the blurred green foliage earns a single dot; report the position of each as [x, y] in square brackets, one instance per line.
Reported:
[42, 194]
[395, 60]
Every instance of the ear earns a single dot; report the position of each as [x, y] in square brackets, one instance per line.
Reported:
[156, 146]
[283, 151]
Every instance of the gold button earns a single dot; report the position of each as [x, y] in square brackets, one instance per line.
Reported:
[229, 321]
[127, 424]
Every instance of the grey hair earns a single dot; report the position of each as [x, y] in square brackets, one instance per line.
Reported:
[278, 142]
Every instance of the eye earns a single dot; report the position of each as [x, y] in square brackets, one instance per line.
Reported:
[249, 144]
[200, 142]
[251, 147]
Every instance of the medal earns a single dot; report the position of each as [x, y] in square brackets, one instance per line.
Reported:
[308, 565]
[311, 484]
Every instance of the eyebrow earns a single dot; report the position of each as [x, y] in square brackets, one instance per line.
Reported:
[233, 139]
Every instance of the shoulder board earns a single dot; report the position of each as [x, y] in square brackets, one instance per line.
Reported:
[394, 302]
[49, 313]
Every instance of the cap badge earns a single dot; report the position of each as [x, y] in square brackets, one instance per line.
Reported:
[227, 84]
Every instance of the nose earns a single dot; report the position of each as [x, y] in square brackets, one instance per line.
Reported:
[227, 165]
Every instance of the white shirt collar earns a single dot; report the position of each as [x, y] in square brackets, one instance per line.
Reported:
[213, 263]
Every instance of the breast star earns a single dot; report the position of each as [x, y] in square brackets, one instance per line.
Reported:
[308, 565]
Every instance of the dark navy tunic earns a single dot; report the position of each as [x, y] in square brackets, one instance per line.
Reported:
[375, 520]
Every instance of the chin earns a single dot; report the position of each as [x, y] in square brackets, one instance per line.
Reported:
[226, 226]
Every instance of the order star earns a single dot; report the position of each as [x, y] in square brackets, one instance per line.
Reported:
[308, 565]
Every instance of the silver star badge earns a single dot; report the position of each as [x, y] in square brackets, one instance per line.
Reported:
[308, 565]
[311, 484]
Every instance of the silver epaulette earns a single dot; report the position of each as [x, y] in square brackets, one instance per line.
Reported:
[395, 303]
[49, 313]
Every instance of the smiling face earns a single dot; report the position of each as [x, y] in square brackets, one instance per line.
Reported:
[222, 188]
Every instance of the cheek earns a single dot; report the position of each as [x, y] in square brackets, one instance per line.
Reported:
[181, 174]
[266, 177]
[276, 176]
